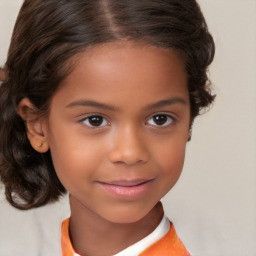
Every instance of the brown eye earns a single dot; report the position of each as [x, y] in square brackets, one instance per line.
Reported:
[95, 121]
[160, 120]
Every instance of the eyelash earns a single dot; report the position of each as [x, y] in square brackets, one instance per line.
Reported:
[103, 122]
[87, 120]
[169, 120]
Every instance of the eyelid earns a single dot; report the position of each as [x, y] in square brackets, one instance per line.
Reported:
[94, 115]
[170, 116]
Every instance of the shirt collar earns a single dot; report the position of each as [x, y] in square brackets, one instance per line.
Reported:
[135, 249]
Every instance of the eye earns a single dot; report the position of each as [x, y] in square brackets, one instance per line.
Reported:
[160, 120]
[96, 121]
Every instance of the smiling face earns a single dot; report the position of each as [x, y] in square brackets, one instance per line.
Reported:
[118, 127]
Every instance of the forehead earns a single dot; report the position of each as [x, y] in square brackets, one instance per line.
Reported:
[127, 67]
[129, 56]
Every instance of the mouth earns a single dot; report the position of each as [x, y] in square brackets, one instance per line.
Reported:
[127, 189]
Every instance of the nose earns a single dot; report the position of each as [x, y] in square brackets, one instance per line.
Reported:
[128, 147]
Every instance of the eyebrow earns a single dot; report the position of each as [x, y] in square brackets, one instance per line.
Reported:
[159, 104]
[166, 102]
[90, 103]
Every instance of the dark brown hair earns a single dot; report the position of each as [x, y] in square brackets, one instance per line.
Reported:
[47, 34]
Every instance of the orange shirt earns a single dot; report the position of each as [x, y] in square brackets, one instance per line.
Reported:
[169, 245]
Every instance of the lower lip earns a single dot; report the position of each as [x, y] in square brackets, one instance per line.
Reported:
[127, 192]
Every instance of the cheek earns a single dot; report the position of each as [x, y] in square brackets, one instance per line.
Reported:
[67, 154]
[76, 158]
[173, 166]
[170, 158]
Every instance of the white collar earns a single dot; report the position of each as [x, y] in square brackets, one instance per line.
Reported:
[137, 248]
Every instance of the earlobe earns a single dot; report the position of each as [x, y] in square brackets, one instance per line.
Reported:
[36, 126]
[42, 148]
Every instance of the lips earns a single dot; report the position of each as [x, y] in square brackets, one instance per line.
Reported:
[127, 183]
[127, 189]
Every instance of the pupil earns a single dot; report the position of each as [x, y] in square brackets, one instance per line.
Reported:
[160, 119]
[96, 120]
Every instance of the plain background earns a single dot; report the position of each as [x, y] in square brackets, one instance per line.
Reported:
[213, 206]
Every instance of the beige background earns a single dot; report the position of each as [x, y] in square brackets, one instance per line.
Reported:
[213, 205]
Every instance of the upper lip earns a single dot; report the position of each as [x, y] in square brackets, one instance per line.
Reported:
[127, 183]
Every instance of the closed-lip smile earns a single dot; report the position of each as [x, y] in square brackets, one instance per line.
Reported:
[127, 189]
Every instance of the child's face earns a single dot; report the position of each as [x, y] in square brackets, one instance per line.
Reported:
[118, 127]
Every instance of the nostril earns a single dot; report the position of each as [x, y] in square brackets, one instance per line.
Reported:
[127, 159]
[128, 156]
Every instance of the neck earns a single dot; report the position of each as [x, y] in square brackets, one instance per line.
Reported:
[93, 235]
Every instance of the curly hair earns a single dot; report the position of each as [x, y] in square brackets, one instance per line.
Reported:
[47, 34]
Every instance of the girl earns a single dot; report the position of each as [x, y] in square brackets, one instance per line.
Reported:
[98, 99]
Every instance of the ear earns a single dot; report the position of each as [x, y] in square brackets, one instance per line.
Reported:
[189, 136]
[190, 129]
[36, 126]
[3, 75]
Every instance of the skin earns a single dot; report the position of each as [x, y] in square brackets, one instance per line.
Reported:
[127, 87]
